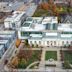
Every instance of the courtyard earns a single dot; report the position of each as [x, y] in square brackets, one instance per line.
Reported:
[36, 58]
[51, 55]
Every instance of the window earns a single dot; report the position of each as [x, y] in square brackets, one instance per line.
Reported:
[62, 42]
[48, 42]
[24, 33]
[54, 42]
[67, 42]
[71, 42]
[35, 42]
[30, 42]
[39, 42]
[13, 24]
[51, 43]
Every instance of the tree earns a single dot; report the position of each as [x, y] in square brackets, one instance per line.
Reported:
[59, 19]
[50, 1]
[5, 62]
[14, 62]
[45, 6]
[22, 63]
[32, 45]
[26, 54]
[18, 41]
[26, 42]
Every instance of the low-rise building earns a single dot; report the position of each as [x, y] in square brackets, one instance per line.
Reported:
[6, 39]
[5, 43]
[8, 32]
[14, 21]
[46, 32]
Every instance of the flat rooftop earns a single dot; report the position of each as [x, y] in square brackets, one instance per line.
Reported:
[50, 20]
[7, 32]
[15, 17]
[40, 23]
[65, 27]
[5, 36]
[3, 41]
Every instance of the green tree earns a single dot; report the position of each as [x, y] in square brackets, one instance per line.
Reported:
[22, 64]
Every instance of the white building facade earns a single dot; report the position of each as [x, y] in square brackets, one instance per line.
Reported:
[15, 21]
[46, 32]
[6, 39]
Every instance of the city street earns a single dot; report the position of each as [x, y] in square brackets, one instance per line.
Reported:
[7, 55]
[30, 11]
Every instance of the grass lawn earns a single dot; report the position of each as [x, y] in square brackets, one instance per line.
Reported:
[41, 12]
[63, 9]
[67, 56]
[51, 54]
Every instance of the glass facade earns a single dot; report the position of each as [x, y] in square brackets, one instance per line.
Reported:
[54, 26]
[28, 33]
[66, 32]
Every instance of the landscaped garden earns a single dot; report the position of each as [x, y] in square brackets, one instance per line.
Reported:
[24, 58]
[51, 55]
[67, 58]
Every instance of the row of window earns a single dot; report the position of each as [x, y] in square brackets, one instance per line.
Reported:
[52, 42]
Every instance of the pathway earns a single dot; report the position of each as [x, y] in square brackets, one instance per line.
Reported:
[42, 62]
[32, 64]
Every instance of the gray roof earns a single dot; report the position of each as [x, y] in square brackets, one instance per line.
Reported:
[66, 19]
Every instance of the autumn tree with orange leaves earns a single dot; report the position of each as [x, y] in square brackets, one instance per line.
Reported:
[50, 6]
[26, 54]
[44, 6]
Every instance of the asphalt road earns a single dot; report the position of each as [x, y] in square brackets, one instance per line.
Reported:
[7, 56]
